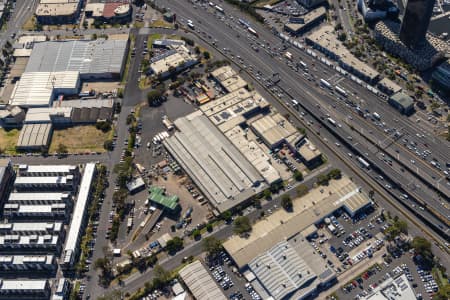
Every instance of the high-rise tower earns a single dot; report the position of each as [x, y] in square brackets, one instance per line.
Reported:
[415, 22]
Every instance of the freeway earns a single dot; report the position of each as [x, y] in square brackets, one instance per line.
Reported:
[308, 90]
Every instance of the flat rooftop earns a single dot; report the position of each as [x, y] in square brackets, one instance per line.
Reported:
[47, 169]
[308, 18]
[253, 152]
[231, 109]
[326, 38]
[223, 174]
[228, 78]
[393, 289]
[308, 150]
[282, 225]
[41, 227]
[391, 85]
[274, 128]
[21, 180]
[179, 55]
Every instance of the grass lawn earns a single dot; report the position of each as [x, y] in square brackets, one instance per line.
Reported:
[80, 139]
[8, 140]
[161, 23]
[152, 37]
[128, 63]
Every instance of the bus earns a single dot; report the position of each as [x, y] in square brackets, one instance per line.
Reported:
[219, 9]
[363, 163]
[331, 121]
[341, 91]
[325, 83]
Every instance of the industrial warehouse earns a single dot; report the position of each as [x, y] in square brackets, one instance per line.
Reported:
[39, 212]
[225, 146]
[277, 257]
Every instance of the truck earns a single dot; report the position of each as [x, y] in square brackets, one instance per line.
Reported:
[252, 31]
[191, 25]
[219, 9]
[288, 55]
[325, 83]
[294, 103]
[130, 223]
[363, 162]
[376, 116]
[331, 121]
[303, 64]
[341, 91]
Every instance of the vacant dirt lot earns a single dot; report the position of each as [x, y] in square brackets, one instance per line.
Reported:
[80, 139]
[8, 140]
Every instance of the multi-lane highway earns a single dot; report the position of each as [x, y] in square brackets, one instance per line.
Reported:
[387, 136]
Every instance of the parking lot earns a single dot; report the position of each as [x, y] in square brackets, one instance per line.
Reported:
[227, 277]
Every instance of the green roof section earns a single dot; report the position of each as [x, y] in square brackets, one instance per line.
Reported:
[157, 195]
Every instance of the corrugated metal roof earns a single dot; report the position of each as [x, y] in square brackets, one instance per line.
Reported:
[200, 283]
[34, 135]
[87, 57]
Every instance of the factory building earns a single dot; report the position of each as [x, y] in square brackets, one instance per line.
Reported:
[402, 102]
[24, 289]
[326, 42]
[48, 170]
[43, 198]
[14, 264]
[7, 176]
[275, 131]
[72, 247]
[11, 244]
[228, 79]
[58, 11]
[37, 183]
[40, 88]
[176, 59]
[34, 137]
[42, 212]
[221, 172]
[200, 283]
[92, 59]
[292, 269]
[12, 116]
[39, 228]
[310, 155]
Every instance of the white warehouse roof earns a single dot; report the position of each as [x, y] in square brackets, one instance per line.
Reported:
[85, 56]
[37, 88]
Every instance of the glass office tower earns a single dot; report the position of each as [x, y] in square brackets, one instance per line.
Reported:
[415, 22]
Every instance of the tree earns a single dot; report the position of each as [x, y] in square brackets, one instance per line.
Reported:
[335, 174]
[209, 227]
[322, 179]
[174, 245]
[153, 97]
[342, 36]
[302, 190]
[226, 216]
[286, 202]
[421, 246]
[242, 225]
[206, 55]
[212, 246]
[298, 176]
[196, 235]
[104, 126]
[108, 145]
[267, 194]
[197, 50]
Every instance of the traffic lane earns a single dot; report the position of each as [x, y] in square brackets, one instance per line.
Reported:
[133, 94]
[230, 47]
[101, 243]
